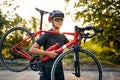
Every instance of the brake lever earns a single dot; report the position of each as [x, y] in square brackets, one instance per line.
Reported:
[85, 37]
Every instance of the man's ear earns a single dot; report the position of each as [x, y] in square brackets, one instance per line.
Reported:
[49, 19]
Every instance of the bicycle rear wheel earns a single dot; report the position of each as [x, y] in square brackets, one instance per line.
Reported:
[90, 67]
[10, 58]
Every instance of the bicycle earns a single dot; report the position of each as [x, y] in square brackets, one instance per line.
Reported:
[15, 56]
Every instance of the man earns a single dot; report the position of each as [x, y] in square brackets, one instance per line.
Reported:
[46, 40]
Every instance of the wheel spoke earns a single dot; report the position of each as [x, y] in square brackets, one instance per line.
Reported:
[10, 58]
[90, 68]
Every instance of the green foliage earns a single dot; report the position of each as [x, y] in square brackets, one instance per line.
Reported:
[106, 55]
[3, 22]
[8, 18]
[93, 47]
[105, 14]
[7, 21]
[34, 24]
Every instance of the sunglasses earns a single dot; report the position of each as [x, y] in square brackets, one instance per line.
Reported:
[58, 19]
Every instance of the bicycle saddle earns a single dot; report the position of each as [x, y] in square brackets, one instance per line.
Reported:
[42, 11]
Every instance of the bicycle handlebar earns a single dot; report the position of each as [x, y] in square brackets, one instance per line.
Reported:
[88, 28]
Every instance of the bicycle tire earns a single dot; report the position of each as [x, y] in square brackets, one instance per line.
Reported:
[10, 38]
[90, 67]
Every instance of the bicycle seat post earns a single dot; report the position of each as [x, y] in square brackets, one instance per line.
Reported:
[41, 20]
[42, 12]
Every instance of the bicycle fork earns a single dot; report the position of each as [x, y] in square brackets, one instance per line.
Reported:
[76, 61]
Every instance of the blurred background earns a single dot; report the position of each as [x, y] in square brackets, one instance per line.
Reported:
[99, 13]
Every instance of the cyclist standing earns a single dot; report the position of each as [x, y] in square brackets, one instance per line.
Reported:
[46, 40]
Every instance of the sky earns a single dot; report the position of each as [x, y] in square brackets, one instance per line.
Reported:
[27, 9]
[49, 5]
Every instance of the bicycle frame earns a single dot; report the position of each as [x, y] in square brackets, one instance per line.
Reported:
[19, 47]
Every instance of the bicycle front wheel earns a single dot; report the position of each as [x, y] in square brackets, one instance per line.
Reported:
[90, 67]
[10, 58]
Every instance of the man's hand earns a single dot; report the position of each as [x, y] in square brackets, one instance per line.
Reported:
[52, 54]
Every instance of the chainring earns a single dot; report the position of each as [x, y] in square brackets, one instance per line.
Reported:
[35, 64]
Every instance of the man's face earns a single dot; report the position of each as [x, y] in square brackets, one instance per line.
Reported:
[57, 21]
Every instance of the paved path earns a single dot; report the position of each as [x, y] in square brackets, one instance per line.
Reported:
[25, 75]
[31, 75]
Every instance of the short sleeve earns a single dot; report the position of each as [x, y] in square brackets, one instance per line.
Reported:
[65, 40]
[42, 40]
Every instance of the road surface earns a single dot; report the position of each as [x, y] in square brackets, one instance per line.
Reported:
[31, 75]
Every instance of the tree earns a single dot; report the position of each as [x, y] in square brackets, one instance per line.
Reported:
[105, 14]
[8, 18]
[3, 21]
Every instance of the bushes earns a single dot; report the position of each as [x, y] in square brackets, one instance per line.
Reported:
[111, 55]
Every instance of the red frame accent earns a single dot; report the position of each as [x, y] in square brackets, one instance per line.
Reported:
[21, 44]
